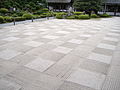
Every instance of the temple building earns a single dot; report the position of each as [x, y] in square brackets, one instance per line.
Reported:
[112, 6]
[60, 4]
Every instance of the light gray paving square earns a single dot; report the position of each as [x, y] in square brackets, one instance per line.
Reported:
[11, 39]
[55, 42]
[29, 33]
[100, 58]
[85, 35]
[103, 51]
[33, 44]
[63, 50]
[113, 34]
[50, 37]
[106, 46]
[63, 32]
[95, 66]
[87, 78]
[76, 41]
[9, 85]
[39, 64]
[8, 54]
[111, 39]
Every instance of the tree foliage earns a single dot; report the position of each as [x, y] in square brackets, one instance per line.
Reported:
[23, 4]
[83, 5]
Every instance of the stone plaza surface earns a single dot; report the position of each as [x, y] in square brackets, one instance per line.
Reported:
[61, 55]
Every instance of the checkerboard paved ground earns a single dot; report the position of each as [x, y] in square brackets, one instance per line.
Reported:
[61, 55]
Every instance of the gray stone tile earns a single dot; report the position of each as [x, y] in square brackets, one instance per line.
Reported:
[73, 86]
[100, 57]
[33, 44]
[113, 34]
[29, 33]
[11, 39]
[63, 50]
[95, 66]
[51, 55]
[39, 64]
[63, 32]
[8, 54]
[65, 66]
[55, 42]
[50, 37]
[28, 76]
[75, 41]
[107, 52]
[114, 72]
[70, 45]
[106, 46]
[111, 39]
[84, 77]
[111, 84]
[9, 85]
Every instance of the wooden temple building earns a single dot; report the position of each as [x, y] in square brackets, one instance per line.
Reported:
[62, 5]
[112, 6]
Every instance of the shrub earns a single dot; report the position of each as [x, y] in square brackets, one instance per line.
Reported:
[83, 17]
[19, 18]
[104, 15]
[47, 14]
[15, 15]
[1, 19]
[20, 13]
[42, 16]
[45, 10]
[94, 16]
[77, 13]
[59, 16]
[36, 16]
[71, 17]
[28, 16]
[39, 12]
[8, 19]
[3, 10]
[60, 13]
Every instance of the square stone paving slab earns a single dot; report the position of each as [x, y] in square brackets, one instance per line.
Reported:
[50, 37]
[8, 54]
[87, 78]
[39, 64]
[11, 39]
[9, 85]
[111, 39]
[33, 43]
[76, 41]
[63, 50]
[100, 57]
[106, 46]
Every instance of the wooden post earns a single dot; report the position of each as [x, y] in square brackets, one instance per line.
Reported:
[14, 21]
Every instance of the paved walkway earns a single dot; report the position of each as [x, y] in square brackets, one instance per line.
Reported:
[61, 55]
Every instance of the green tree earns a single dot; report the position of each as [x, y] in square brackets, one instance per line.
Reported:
[88, 5]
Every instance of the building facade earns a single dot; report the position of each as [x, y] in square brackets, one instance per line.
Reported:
[112, 6]
[60, 5]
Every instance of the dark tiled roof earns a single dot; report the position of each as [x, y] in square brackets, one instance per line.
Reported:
[58, 1]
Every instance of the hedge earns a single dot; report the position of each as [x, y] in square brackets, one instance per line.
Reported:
[83, 17]
[1, 19]
[28, 16]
